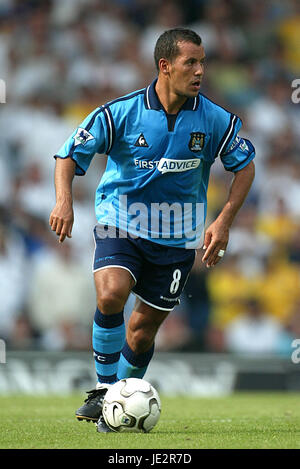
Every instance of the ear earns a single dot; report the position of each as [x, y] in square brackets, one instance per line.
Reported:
[164, 66]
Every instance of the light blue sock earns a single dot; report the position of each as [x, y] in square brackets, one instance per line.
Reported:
[132, 365]
[108, 341]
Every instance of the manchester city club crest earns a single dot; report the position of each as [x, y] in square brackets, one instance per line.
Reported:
[196, 142]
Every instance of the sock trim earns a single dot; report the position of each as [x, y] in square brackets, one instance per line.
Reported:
[106, 358]
[110, 379]
[139, 360]
[108, 321]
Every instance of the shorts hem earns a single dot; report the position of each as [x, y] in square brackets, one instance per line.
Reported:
[151, 304]
[120, 267]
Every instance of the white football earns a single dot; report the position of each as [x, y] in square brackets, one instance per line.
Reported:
[131, 405]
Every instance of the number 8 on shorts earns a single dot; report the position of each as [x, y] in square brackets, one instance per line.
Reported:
[175, 283]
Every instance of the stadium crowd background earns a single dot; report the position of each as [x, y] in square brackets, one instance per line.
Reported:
[62, 58]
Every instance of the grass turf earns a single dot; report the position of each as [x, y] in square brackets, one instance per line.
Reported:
[241, 420]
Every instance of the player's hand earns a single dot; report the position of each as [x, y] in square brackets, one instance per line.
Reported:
[61, 220]
[216, 238]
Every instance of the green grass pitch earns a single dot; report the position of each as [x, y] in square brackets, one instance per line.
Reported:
[241, 420]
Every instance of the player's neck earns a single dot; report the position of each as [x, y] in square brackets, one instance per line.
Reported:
[170, 101]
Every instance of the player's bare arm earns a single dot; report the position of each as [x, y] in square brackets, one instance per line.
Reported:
[217, 234]
[62, 216]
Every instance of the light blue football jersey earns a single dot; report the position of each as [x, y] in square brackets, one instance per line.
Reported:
[157, 173]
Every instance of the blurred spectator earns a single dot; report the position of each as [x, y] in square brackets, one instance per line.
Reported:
[279, 285]
[272, 108]
[5, 181]
[61, 298]
[228, 287]
[36, 130]
[23, 335]
[254, 332]
[277, 225]
[280, 173]
[288, 31]
[14, 280]
[293, 247]
[34, 196]
[223, 38]
[166, 15]
[292, 325]
[249, 244]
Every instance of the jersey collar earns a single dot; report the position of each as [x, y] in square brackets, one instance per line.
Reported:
[152, 102]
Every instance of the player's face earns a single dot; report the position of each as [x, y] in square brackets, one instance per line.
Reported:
[186, 70]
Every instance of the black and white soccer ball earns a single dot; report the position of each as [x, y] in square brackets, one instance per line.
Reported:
[131, 405]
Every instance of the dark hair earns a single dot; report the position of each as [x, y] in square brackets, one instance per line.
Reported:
[167, 43]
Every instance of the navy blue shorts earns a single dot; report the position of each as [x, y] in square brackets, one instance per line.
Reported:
[159, 272]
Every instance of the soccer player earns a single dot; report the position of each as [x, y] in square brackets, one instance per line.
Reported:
[151, 203]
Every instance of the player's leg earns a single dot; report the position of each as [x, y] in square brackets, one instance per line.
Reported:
[113, 286]
[138, 349]
[158, 290]
[116, 267]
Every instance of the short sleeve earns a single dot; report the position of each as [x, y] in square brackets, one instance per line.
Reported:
[87, 140]
[238, 155]
[235, 151]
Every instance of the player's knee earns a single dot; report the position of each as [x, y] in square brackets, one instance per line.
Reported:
[110, 302]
